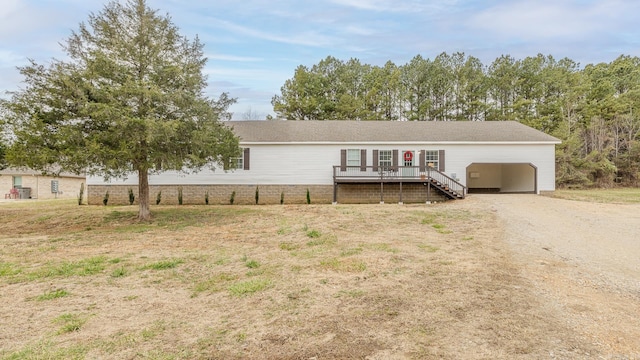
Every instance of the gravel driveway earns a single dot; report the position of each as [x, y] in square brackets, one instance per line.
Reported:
[582, 258]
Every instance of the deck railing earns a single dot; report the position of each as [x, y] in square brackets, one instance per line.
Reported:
[397, 174]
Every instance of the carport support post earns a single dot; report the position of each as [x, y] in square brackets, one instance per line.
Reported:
[335, 193]
[400, 202]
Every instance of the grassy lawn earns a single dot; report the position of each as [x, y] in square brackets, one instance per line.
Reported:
[272, 282]
[614, 196]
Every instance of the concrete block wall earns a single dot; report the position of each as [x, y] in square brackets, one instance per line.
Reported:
[268, 194]
[218, 194]
[370, 193]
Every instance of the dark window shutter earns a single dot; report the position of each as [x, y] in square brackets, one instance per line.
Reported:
[363, 160]
[423, 160]
[343, 160]
[395, 160]
[375, 160]
[245, 159]
[441, 160]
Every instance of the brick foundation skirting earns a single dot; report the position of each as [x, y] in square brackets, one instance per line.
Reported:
[218, 194]
[267, 194]
[370, 193]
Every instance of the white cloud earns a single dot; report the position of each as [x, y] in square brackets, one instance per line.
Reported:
[359, 30]
[10, 58]
[307, 38]
[16, 17]
[235, 58]
[396, 6]
[36, 19]
[9, 7]
[255, 75]
[550, 19]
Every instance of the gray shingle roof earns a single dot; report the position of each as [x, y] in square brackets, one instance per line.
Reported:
[277, 131]
[27, 172]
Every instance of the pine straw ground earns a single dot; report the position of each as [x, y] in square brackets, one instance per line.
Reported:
[268, 282]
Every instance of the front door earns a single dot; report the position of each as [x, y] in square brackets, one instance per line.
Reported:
[409, 160]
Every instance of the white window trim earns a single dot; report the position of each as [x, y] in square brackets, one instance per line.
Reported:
[385, 163]
[431, 159]
[239, 161]
[353, 157]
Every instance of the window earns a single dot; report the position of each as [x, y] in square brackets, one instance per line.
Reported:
[353, 157]
[431, 158]
[17, 182]
[384, 159]
[241, 162]
[238, 162]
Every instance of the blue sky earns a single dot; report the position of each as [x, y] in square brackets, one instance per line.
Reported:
[254, 46]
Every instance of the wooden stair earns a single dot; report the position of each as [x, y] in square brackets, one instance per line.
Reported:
[446, 188]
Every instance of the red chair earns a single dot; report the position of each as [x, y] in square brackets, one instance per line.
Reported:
[14, 193]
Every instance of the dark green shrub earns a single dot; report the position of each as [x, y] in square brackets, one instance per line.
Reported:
[132, 197]
[206, 197]
[158, 197]
[233, 197]
[179, 195]
[282, 198]
[81, 194]
[105, 199]
[257, 195]
[308, 197]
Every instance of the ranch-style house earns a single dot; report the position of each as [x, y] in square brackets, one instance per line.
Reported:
[361, 162]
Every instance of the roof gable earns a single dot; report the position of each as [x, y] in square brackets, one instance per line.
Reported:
[348, 131]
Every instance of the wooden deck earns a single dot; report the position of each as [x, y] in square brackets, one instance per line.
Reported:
[399, 174]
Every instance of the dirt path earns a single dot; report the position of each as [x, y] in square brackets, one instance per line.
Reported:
[584, 260]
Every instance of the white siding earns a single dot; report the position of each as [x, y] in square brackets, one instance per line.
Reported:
[541, 156]
[313, 164]
[517, 178]
[269, 164]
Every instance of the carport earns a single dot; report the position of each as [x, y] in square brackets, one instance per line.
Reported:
[502, 178]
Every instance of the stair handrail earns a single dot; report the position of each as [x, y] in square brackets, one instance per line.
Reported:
[443, 178]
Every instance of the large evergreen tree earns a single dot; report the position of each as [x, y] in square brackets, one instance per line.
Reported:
[3, 141]
[130, 99]
[2, 154]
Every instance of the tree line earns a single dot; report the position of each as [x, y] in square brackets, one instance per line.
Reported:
[592, 109]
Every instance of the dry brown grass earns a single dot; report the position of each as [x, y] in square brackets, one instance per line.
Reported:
[269, 282]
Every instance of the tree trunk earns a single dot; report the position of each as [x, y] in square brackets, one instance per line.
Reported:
[143, 195]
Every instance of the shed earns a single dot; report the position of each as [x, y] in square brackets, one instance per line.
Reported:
[32, 184]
